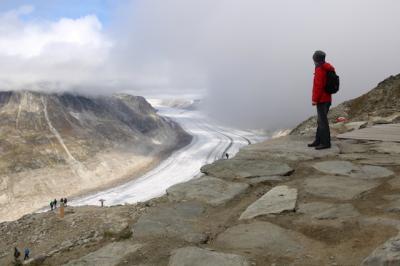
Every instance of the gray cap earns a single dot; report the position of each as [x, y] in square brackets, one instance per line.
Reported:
[319, 56]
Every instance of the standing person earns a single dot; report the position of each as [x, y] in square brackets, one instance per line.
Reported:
[322, 100]
[55, 204]
[27, 251]
[227, 155]
[65, 201]
[51, 205]
[16, 254]
[61, 201]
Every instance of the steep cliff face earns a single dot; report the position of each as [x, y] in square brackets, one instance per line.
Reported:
[378, 105]
[63, 144]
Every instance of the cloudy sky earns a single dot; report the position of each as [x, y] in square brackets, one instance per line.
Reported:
[250, 58]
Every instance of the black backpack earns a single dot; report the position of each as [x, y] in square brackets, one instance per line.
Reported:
[332, 82]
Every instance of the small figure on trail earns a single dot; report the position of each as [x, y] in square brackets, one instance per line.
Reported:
[51, 205]
[16, 254]
[65, 201]
[324, 75]
[227, 155]
[61, 201]
[55, 204]
[102, 202]
[26, 257]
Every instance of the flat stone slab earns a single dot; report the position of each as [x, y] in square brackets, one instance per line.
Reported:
[277, 200]
[372, 159]
[342, 188]
[210, 190]
[265, 237]
[386, 147]
[389, 132]
[328, 211]
[238, 169]
[177, 221]
[288, 148]
[195, 256]
[349, 169]
[109, 255]
[386, 254]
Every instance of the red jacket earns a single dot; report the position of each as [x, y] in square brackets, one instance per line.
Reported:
[319, 95]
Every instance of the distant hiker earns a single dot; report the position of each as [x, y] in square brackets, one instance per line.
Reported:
[322, 99]
[65, 201]
[55, 203]
[102, 202]
[26, 257]
[51, 205]
[227, 155]
[16, 253]
[61, 201]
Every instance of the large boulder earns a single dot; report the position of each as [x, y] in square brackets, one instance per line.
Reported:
[210, 190]
[193, 256]
[177, 221]
[279, 199]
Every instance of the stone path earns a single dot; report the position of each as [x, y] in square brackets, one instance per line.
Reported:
[277, 200]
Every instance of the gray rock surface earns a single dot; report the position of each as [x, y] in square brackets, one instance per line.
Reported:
[372, 159]
[328, 211]
[237, 169]
[210, 190]
[276, 200]
[265, 179]
[386, 147]
[265, 237]
[395, 182]
[342, 188]
[177, 221]
[193, 256]
[349, 169]
[109, 255]
[386, 254]
[289, 148]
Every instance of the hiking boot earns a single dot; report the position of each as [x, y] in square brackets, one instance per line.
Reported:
[314, 144]
[323, 147]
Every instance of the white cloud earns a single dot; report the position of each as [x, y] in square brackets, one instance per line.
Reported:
[67, 51]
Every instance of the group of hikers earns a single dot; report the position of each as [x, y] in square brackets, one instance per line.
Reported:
[17, 254]
[53, 203]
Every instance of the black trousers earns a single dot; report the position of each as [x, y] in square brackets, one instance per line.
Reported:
[323, 136]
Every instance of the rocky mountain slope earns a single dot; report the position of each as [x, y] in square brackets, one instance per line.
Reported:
[380, 105]
[53, 146]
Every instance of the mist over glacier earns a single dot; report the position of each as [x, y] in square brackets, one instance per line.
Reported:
[252, 59]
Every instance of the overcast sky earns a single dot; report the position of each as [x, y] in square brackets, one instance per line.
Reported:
[251, 58]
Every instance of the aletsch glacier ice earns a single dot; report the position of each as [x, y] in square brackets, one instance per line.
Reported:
[210, 142]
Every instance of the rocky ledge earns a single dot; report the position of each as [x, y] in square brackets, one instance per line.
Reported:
[275, 203]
